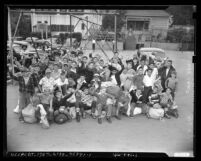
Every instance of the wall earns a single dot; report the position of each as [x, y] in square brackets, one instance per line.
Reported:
[165, 46]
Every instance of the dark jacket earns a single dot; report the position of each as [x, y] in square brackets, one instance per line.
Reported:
[163, 75]
[134, 98]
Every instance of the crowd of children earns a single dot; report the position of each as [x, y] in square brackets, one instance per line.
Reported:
[70, 85]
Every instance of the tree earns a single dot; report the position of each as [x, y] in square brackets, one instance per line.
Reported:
[24, 28]
[108, 21]
[182, 15]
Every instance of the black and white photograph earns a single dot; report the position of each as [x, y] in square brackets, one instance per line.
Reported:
[100, 80]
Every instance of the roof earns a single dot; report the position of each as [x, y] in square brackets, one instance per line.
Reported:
[147, 13]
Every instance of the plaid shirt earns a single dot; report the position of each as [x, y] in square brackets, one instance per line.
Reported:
[29, 87]
[36, 79]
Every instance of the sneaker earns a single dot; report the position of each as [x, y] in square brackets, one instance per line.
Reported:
[167, 116]
[21, 119]
[117, 117]
[108, 119]
[100, 120]
[16, 110]
[84, 115]
[77, 117]
[131, 115]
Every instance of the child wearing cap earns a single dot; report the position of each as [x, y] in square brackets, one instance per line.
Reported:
[56, 72]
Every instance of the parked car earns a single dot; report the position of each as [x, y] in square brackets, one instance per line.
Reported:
[153, 52]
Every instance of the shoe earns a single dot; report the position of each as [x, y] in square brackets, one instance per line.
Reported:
[77, 117]
[16, 110]
[100, 120]
[131, 115]
[117, 117]
[21, 119]
[84, 115]
[167, 116]
[109, 119]
[93, 116]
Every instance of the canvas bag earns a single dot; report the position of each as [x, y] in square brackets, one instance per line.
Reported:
[29, 114]
[156, 113]
[60, 118]
[113, 90]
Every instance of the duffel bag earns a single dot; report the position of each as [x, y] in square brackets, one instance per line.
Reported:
[29, 114]
[155, 113]
[60, 118]
[114, 90]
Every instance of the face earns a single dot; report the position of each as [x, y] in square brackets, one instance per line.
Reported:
[51, 67]
[95, 59]
[84, 60]
[129, 66]
[56, 58]
[62, 77]
[168, 64]
[56, 68]
[173, 75]
[115, 60]
[168, 91]
[82, 78]
[138, 91]
[101, 62]
[73, 65]
[65, 60]
[36, 69]
[91, 65]
[135, 61]
[142, 63]
[58, 94]
[155, 90]
[86, 91]
[149, 72]
[140, 71]
[114, 72]
[48, 75]
[151, 66]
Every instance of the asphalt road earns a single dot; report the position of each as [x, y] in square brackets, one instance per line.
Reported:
[137, 134]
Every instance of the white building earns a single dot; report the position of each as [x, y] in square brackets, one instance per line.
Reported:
[60, 22]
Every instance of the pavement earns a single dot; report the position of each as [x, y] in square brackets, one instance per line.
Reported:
[137, 134]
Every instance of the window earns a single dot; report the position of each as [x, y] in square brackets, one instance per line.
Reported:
[45, 22]
[38, 21]
[138, 25]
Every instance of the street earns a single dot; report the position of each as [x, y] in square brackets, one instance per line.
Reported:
[137, 134]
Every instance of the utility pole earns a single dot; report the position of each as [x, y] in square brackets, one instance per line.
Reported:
[50, 34]
[115, 30]
[10, 40]
[70, 31]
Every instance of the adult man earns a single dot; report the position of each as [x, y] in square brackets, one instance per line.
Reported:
[166, 73]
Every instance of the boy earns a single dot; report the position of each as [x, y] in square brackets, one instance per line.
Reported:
[136, 101]
[86, 101]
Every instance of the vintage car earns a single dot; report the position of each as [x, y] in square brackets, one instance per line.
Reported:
[153, 52]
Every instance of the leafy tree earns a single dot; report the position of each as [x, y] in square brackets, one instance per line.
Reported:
[108, 21]
[182, 14]
[24, 28]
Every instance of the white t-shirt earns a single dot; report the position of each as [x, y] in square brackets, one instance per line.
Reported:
[47, 83]
[148, 81]
[113, 79]
[59, 82]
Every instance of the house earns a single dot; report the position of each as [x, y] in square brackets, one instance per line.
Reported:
[147, 22]
[60, 22]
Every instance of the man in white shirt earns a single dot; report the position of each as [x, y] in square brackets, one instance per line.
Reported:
[144, 67]
[93, 44]
[148, 84]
